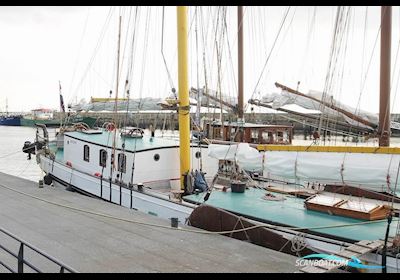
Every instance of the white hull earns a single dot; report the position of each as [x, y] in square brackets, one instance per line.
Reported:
[152, 203]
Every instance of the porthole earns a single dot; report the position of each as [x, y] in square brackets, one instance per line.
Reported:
[198, 154]
[156, 157]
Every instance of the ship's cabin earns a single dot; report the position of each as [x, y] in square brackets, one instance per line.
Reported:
[249, 132]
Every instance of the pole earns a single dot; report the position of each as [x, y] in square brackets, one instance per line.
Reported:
[384, 249]
[384, 99]
[197, 72]
[240, 63]
[116, 101]
[184, 109]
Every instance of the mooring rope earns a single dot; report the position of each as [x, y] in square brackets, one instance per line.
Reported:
[191, 230]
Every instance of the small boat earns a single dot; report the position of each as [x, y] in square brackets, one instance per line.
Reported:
[10, 120]
[338, 206]
[46, 117]
[40, 116]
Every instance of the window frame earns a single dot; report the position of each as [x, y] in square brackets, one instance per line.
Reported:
[86, 157]
[122, 165]
[101, 157]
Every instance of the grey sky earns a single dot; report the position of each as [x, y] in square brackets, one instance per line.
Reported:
[42, 45]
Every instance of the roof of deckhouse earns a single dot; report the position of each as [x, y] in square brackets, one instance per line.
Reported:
[105, 139]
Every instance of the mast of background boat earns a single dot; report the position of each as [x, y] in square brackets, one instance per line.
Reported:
[116, 101]
[6, 106]
[384, 99]
[240, 63]
[184, 117]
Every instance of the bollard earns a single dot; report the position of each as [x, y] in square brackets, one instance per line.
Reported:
[174, 222]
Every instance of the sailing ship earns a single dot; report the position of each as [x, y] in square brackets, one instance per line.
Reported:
[154, 175]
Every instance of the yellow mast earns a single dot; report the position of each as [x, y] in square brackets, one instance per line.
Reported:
[184, 113]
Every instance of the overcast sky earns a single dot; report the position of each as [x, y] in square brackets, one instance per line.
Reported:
[42, 45]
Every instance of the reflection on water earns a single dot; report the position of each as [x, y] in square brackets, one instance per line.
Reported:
[13, 161]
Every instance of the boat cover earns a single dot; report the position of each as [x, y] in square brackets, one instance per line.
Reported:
[375, 172]
[245, 156]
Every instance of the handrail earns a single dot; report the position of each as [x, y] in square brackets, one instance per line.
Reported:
[22, 261]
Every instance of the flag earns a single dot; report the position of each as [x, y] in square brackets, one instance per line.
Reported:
[61, 100]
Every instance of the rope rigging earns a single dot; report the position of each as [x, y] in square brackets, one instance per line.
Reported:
[171, 83]
[340, 24]
[79, 51]
[271, 50]
[368, 67]
[192, 230]
[95, 51]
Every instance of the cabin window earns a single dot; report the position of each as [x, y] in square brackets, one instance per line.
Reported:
[122, 163]
[268, 137]
[217, 133]
[280, 136]
[208, 131]
[232, 134]
[103, 158]
[86, 153]
[254, 136]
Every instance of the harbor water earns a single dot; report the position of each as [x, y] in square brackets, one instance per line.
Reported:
[12, 160]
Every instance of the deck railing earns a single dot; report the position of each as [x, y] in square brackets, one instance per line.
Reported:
[22, 261]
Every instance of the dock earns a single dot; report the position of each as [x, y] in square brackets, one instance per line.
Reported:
[91, 235]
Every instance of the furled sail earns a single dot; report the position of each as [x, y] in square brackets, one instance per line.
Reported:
[279, 100]
[333, 108]
[371, 171]
[147, 103]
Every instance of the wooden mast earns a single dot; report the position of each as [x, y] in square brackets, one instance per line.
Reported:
[240, 63]
[384, 99]
[116, 99]
[184, 107]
